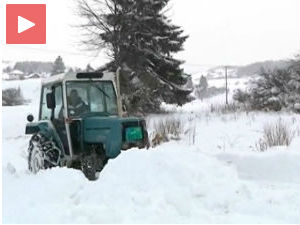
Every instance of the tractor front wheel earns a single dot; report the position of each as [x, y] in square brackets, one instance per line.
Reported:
[43, 154]
[92, 165]
[36, 158]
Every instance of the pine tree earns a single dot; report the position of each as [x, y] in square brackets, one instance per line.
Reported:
[89, 68]
[70, 71]
[270, 91]
[7, 69]
[294, 85]
[150, 40]
[201, 89]
[203, 82]
[141, 40]
[58, 66]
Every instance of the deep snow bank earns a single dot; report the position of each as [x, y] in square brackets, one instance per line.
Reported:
[169, 184]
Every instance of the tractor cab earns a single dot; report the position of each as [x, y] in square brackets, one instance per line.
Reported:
[81, 116]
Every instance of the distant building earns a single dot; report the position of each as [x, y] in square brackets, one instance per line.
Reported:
[33, 76]
[45, 75]
[16, 75]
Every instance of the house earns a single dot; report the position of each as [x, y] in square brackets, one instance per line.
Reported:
[16, 75]
[33, 76]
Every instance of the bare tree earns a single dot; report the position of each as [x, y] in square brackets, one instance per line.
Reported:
[101, 30]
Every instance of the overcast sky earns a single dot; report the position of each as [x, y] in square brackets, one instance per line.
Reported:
[221, 32]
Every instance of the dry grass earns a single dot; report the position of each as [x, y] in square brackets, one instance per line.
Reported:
[224, 109]
[165, 130]
[277, 134]
[191, 134]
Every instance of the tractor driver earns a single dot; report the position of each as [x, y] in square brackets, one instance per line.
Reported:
[76, 105]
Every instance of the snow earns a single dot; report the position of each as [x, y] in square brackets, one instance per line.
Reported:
[5, 76]
[219, 178]
[297, 106]
[17, 72]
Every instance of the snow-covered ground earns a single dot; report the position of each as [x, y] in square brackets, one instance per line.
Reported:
[218, 177]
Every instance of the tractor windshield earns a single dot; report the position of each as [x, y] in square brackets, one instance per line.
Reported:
[91, 97]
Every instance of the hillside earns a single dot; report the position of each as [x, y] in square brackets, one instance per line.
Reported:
[246, 70]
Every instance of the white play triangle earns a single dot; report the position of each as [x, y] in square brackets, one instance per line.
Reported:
[24, 24]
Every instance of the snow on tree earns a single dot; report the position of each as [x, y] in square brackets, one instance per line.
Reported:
[141, 41]
[58, 66]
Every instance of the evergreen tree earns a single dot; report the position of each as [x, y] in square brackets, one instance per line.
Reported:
[201, 89]
[203, 82]
[58, 66]
[7, 69]
[150, 40]
[71, 70]
[89, 68]
[294, 85]
[241, 96]
[269, 91]
[141, 40]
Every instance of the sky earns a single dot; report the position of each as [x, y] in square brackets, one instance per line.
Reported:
[221, 32]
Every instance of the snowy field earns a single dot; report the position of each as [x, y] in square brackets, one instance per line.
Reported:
[217, 177]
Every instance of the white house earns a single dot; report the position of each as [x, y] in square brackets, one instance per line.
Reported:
[33, 76]
[16, 75]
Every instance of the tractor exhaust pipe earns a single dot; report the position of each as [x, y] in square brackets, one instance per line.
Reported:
[119, 98]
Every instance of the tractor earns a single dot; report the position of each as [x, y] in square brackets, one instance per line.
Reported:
[81, 124]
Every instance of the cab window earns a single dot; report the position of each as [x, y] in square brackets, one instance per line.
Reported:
[91, 97]
[58, 111]
[45, 112]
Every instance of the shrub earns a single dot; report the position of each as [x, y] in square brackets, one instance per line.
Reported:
[12, 96]
[241, 96]
[274, 90]
[278, 134]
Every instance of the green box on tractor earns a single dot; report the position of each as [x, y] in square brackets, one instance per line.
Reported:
[80, 124]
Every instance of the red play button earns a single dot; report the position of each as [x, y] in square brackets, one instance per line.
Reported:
[25, 24]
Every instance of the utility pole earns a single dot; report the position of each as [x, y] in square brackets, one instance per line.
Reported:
[226, 85]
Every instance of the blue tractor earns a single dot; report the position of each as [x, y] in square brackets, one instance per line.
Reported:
[80, 124]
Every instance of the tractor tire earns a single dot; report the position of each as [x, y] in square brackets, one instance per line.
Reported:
[88, 167]
[43, 154]
[92, 165]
